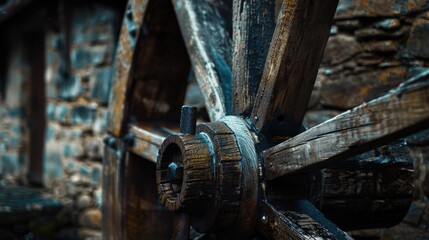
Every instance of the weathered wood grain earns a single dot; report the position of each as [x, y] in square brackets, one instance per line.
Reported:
[291, 67]
[148, 139]
[144, 217]
[401, 112]
[113, 185]
[161, 62]
[375, 188]
[209, 48]
[130, 30]
[300, 220]
[253, 27]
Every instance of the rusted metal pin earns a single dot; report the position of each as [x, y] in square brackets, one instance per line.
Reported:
[188, 120]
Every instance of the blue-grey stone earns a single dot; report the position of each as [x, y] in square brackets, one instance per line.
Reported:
[50, 133]
[69, 87]
[50, 111]
[70, 150]
[96, 175]
[11, 163]
[83, 114]
[80, 57]
[388, 24]
[63, 113]
[53, 167]
[102, 85]
[18, 128]
[85, 171]
[17, 112]
[419, 37]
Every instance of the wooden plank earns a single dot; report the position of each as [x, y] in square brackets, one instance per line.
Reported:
[291, 67]
[300, 220]
[130, 30]
[401, 112]
[209, 48]
[148, 139]
[144, 216]
[253, 27]
[113, 185]
[36, 106]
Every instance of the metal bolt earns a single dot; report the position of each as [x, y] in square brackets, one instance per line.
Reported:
[129, 139]
[188, 120]
[175, 172]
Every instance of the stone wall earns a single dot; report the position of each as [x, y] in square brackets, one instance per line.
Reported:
[374, 46]
[76, 112]
[77, 94]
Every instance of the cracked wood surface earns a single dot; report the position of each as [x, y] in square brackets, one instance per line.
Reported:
[122, 78]
[401, 112]
[300, 220]
[293, 60]
[253, 27]
[209, 48]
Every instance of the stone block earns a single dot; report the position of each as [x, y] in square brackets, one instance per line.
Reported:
[101, 85]
[340, 48]
[68, 87]
[93, 148]
[80, 57]
[11, 163]
[378, 8]
[315, 117]
[83, 114]
[90, 218]
[100, 123]
[50, 111]
[388, 24]
[382, 47]
[63, 114]
[83, 201]
[345, 92]
[53, 167]
[374, 33]
[96, 175]
[417, 43]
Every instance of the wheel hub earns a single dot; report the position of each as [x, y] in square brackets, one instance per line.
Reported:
[212, 175]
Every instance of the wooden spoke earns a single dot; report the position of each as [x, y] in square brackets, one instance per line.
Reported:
[300, 220]
[253, 26]
[290, 70]
[148, 139]
[130, 30]
[403, 111]
[209, 48]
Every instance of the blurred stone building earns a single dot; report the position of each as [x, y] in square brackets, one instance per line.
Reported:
[56, 61]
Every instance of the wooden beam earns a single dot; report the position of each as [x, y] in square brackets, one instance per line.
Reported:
[209, 48]
[291, 67]
[401, 112]
[130, 30]
[148, 139]
[253, 27]
[300, 220]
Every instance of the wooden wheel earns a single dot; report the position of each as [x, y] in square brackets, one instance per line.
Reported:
[253, 170]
